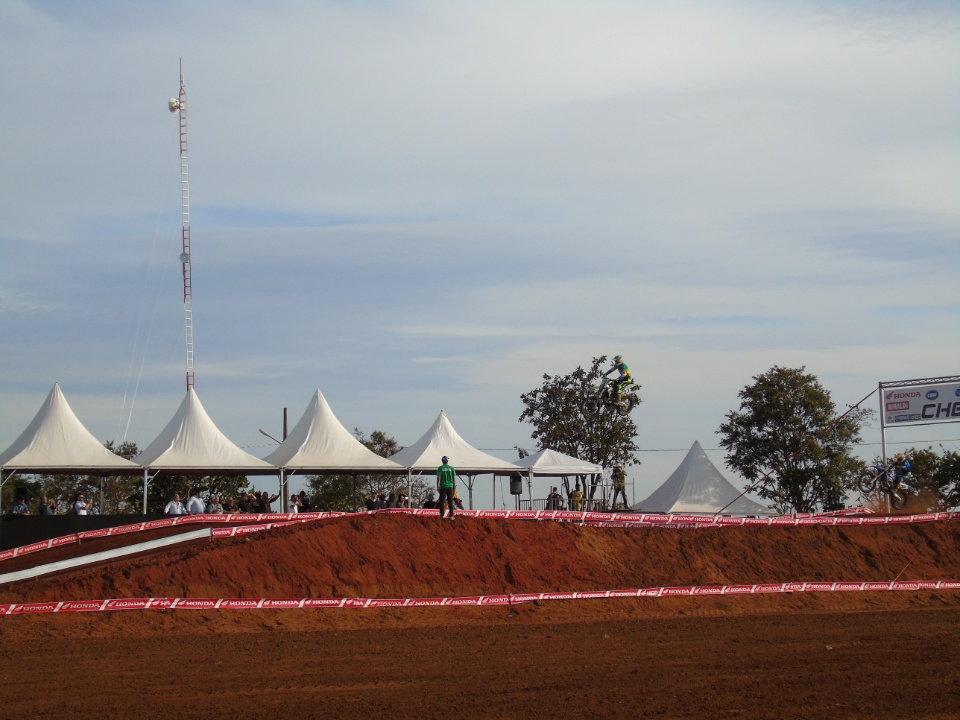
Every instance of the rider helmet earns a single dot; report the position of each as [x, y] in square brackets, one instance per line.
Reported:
[445, 459]
[901, 457]
[617, 358]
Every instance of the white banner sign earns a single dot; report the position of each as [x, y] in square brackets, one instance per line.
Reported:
[921, 404]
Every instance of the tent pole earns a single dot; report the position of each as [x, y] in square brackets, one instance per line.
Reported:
[145, 472]
[283, 494]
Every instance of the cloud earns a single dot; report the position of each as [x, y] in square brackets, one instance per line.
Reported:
[425, 205]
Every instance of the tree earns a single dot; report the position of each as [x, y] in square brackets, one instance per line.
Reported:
[560, 421]
[787, 443]
[344, 492]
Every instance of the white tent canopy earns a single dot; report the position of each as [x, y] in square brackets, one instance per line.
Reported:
[320, 443]
[696, 486]
[192, 443]
[426, 454]
[56, 441]
[551, 463]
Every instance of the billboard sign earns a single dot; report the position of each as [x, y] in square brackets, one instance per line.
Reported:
[913, 404]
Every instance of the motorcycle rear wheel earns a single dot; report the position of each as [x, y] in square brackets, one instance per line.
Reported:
[867, 483]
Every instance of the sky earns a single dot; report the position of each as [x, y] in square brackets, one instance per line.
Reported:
[426, 206]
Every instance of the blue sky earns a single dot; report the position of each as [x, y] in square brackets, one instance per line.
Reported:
[416, 206]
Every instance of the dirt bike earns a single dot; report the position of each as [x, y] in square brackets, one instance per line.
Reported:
[882, 479]
[605, 395]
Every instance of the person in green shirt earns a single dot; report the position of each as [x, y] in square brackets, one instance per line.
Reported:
[446, 485]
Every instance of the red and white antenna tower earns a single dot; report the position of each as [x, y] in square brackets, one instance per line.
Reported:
[179, 106]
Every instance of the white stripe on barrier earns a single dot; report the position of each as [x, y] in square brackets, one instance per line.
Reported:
[102, 556]
[111, 605]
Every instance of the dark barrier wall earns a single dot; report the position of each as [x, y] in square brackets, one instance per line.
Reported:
[20, 530]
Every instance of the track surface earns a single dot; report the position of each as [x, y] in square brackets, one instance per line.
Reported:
[844, 655]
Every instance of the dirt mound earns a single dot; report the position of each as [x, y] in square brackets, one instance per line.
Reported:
[391, 556]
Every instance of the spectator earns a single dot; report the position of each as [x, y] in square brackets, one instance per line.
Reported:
[294, 504]
[554, 501]
[80, 504]
[392, 500]
[371, 502]
[175, 507]
[446, 486]
[195, 505]
[619, 478]
[214, 507]
[303, 502]
[248, 503]
[576, 498]
[20, 507]
[230, 506]
[429, 503]
[265, 500]
[46, 507]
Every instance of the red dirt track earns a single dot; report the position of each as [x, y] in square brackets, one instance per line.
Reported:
[843, 655]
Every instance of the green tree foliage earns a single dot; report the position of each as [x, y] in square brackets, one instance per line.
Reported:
[787, 442]
[344, 492]
[560, 421]
[935, 476]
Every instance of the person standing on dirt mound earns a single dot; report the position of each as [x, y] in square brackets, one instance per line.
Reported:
[446, 485]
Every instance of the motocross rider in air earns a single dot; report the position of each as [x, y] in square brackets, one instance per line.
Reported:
[625, 378]
[901, 470]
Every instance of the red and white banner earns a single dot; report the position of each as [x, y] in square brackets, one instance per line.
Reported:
[268, 521]
[111, 605]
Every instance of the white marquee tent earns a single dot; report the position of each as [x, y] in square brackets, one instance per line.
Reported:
[56, 441]
[320, 443]
[426, 455]
[696, 486]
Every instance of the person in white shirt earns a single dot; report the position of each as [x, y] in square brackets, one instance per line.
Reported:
[80, 505]
[195, 504]
[175, 507]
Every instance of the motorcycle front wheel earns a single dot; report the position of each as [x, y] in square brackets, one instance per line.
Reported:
[867, 483]
[592, 406]
[898, 499]
[625, 406]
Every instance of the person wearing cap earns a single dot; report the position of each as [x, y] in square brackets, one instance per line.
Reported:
[446, 485]
[619, 478]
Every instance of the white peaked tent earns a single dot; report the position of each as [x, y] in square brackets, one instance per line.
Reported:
[56, 441]
[426, 455]
[320, 443]
[192, 443]
[551, 463]
[696, 486]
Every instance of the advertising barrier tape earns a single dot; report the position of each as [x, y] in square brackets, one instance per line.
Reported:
[265, 521]
[110, 605]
